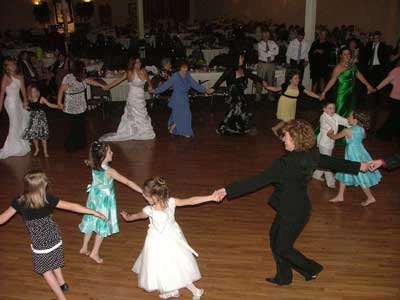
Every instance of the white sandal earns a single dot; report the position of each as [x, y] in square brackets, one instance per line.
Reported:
[199, 293]
[174, 294]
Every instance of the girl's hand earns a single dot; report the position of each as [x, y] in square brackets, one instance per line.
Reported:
[105, 87]
[219, 195]
[101, 216]
[60, 106]
[370, 90]
[330, 133]
[125, 215]
[150, 90]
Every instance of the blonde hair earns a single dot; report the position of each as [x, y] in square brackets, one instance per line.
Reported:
[35, 185]
[156, 186]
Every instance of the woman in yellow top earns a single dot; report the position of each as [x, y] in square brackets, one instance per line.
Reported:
[291, 91]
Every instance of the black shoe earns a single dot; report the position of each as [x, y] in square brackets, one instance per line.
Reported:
[313, 276]
[274, 281]
[64, 287]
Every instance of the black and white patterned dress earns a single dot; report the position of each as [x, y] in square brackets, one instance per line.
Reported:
[38, 128]
[47, 246]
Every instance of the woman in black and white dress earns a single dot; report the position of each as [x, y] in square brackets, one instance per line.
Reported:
[73, 90]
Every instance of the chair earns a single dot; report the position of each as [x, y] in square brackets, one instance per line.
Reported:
[99, 97]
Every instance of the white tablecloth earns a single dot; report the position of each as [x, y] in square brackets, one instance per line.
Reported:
[209, 54]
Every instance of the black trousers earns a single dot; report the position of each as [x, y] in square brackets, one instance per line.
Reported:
[76, 138]
[299, 66]
[391, 128]
[283, 235]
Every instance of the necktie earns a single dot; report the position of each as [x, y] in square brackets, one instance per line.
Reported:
[299, 54]
[371, 59]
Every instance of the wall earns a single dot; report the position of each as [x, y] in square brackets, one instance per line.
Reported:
[370, 15]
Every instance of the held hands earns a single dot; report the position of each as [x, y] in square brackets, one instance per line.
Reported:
[60, 106]
[330, 134]
[210, 91]
[150, 90]
[375, 164]
[371, 89]
[101, 216]
[265, 84]
[125, 216]
[219, 195]
[322, 96]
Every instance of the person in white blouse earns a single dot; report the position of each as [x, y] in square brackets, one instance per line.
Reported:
[329, 121]
[267, 51]
[297, 53]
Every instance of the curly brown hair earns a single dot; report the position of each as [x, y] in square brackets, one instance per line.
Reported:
[302, 134]
[363, 118]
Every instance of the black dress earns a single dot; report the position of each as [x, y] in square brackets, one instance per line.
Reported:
[237, 118]
[47, 246]
[291, 201]
[319, 62]
[38, 128]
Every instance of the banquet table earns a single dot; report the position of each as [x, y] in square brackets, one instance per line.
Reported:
[209, 54]
[207, 79]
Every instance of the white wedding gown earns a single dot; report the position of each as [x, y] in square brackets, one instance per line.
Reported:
[135, 123]
[19, 118]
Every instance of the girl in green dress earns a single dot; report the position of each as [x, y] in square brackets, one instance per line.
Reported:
[102, 199]
[345, 73]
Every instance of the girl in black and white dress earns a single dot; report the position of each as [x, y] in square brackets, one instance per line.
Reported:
[36, 206]
[38, 128]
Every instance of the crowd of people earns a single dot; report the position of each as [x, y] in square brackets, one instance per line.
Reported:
[345, 118]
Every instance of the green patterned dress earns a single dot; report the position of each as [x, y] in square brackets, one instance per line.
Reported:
[102, 199]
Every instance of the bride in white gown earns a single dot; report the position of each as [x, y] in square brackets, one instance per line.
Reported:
[135, 123]
[11, 85]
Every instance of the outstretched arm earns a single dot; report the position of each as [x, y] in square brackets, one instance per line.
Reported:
[272, 88]
[197, 86]
[385, 81]
[341, 165]
[198, 200]
[122, 179]
[165, 86]
[369, 87]
[7, 215]
[117, 81]
[338, 136]
[43, 100]
[133, 217]
[75, 207]
[311, 94]
[93, 82]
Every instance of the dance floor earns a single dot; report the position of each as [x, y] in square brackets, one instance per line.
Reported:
[359, 247]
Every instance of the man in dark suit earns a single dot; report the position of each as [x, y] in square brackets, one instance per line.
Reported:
[377, 59]
[291, 173]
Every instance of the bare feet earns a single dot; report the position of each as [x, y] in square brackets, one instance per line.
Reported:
[274, 131]
[336, 199]
[96, 258]
[36, 152]
[46, 155]
[84, 251]
[368, 201]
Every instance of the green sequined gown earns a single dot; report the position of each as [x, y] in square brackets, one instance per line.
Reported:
[102, 199]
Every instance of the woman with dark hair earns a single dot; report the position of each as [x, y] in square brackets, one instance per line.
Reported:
[291, 173]
[135, 123]
[73, 90]
[180, 120]
[346, 73]
[237, 118]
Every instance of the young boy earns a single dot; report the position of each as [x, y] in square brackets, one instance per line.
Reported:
[329, 120]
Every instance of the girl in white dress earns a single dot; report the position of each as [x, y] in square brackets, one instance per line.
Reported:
[135, 123]
[11, 84]
[166, 262]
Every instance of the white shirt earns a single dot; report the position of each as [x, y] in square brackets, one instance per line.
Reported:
[267, 54]
[376, 61]
[293, 50]
[328, 123]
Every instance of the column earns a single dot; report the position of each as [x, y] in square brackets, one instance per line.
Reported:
[309, 28]
[140, 18]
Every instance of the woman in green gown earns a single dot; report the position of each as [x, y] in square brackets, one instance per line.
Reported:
[346, 74]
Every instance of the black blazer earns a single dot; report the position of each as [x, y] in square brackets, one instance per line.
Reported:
[291, 173]
[382, 53]
[393, 161]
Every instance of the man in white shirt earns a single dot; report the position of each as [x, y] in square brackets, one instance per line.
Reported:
[297, 52]
[267, 51]
[329, 121]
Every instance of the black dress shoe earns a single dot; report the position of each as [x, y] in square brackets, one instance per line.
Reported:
[64, 287]
[274, 281]
[313, 276]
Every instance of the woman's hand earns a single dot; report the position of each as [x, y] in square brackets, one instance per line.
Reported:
[150, 90]
[210, 91]
[60, 106]
[371, 89]
[101, 216]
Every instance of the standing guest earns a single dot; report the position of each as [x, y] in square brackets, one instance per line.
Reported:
[391, 128]
[135, 123]
[345, 73]
[36, 205]
[237, 119]
[319, 56]
[297, 53]
[267, 51]
[12, 84]
[73, 90]
[38, 128]
[291, 91]
[180, 120]
[329, 121]
[377, 57]
[28, 71]
[355, 151]
[101, 198]
[166, 262]
[291, 173]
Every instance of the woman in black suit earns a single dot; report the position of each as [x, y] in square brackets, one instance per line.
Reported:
[290, 173]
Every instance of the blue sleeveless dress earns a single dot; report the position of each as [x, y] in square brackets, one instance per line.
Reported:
[102, 199]
[355, 151]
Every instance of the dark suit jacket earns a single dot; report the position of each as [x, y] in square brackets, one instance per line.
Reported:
[382, 53]
[291, 173]
[27, 75]
[393, 161]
